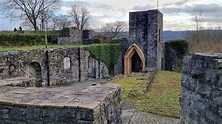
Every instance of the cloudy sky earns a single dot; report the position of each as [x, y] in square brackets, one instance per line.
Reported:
[178, 14]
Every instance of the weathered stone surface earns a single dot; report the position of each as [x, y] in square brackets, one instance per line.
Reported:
[65, 66]
[201, 99]
[145, 30]
[62, 107]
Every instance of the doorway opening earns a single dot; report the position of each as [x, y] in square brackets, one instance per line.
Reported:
[34, 71]
[134, 60]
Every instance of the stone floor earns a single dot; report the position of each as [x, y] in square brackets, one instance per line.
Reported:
[64, 96]
[15, 81]
[41, 96]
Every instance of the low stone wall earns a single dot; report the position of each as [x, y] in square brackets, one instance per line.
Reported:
[95, 105]
[69, 40]
[66, 65]
[201, 100]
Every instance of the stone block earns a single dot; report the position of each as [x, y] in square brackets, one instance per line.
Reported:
[197, 73]
[202, 120]
[85, 122]
[66, 114]
[219, 63]
[199, 63]
[220, 111]
[213, 117]
[218, 100]
[184, 80]
[49, 114]
[85, 114]
[17, 114]
[204, 90]
[200, 107]
[211, 77]
[32, 113]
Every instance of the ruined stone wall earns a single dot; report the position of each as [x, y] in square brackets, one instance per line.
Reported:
[145, 30]
[89, 34]
[94, 105]
[65, 65]
[201, 100]
[15, 63]
[71, 36]
[155, 32]
[170, 58]
[69, 40]
[62, 70]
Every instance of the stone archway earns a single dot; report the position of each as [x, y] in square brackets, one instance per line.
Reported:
[134, 60]
[34, 71]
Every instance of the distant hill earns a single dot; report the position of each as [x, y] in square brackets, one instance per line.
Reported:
[170, 35]
[167, 35]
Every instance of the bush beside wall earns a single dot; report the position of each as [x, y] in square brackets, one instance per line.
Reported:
[107, 53]
[180, 46]
[175, 50]
[25, 40]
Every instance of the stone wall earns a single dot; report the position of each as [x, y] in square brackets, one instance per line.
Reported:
[69, 40]
[71, 36]
[170, 58]
[65, 65]
[201, 100]
[94, 105]
[15, 63]
[145, 30]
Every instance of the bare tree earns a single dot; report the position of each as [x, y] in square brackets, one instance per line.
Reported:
[30, 10]
[113, 29]
[61, 22]
[80, 16]
[204, 39]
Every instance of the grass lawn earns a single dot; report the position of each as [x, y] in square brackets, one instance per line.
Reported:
[3, 49]
[162, 97]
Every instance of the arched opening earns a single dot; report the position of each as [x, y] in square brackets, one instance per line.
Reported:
[34, 71]
[136, 63]
[134, 60]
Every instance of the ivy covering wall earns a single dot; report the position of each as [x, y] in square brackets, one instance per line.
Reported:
[107, 53]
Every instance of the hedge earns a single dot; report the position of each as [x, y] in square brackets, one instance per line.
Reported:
[107, 53]
[180, 46]
[25, 40]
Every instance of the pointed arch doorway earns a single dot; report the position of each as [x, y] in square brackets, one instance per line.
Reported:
[134, 60]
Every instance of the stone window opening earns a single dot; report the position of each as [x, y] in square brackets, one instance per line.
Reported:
[66, 62]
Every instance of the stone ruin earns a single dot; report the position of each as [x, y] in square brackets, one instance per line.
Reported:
[144, 49]
[142, 52]
[65, 66]
[201, 100]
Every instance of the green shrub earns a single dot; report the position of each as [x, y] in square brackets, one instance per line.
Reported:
[25, 40]
[180, 46]
[97, 41]
[107, 53]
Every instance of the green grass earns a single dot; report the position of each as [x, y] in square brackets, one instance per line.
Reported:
[132, 83]
[36, 47]
[162, 97]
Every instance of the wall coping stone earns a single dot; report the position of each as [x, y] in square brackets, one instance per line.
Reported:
[88, 98]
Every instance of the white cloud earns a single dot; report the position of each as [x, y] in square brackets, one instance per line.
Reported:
[177, 13]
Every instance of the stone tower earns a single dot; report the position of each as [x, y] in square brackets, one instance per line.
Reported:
[144, 48]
